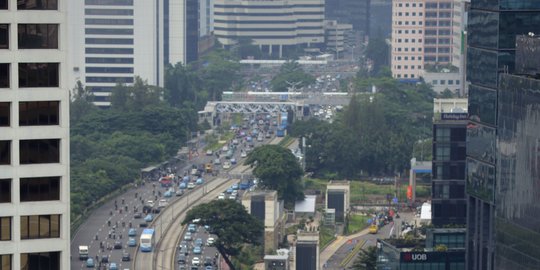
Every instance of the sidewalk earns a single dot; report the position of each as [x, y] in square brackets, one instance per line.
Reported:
[327, 253]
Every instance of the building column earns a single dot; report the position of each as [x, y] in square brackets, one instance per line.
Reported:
[280, 51]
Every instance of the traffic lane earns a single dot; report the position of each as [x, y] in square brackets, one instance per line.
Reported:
[207, 251]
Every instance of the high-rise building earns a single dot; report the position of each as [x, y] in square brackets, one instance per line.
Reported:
[353, 12]
[491, 38]
[438, 32]
[112, 41]
[34, 135]
[449, 204]
[407, 55]
[380, 18]
[274, 25]
[517, 214]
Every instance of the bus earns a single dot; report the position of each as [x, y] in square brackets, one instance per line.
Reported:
[147, 240]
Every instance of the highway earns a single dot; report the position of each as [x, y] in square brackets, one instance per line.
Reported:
[168, 223]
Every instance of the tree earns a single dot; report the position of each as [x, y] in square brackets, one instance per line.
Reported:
[231, 223]
[278, 169]
[366, 259]
[183, 87]
[81, 102]
[120, 97]
[291, 74]
[219, 72]
[378, 52]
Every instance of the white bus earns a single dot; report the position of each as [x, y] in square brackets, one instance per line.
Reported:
[147, 240]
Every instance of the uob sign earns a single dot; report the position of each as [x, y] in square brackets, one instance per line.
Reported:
[415, 257]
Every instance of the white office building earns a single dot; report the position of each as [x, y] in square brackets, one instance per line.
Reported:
[274, 25]
[34, 135]
[112, 41]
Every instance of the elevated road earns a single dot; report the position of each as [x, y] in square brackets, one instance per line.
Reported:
[168, 223]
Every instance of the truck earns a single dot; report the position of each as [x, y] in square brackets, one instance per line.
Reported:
[83, 253]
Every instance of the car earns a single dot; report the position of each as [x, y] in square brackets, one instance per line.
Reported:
[117, 245]
[243, 154]
[232, 197]
[235, 142]
[233, 161]
[188, 236]
[132, 232]
[268, 136]
[179, 192]
[182, 185]
[104, 258]
[198, 242]
[225, 148]
[90, 263]
[191, 185]
[131, 242]
[196, 261]
[208, 261]
[192, 227]
[226, 165]
[209, 152]
[217, 161]
[260, 138]
[208, 267]
[234, 186]
[113, 266]
[126, 257]
[221, 196]
[181, 259]
[197, 250]
[184, 251]
[149, 218]
[199, 181]
[137, 215]
[183, 244]
[210, 241]
[229, 190]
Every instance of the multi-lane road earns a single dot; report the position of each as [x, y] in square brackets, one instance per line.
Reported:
[110, 224]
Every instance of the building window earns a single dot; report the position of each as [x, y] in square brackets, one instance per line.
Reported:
[39, 113]
[4, 75]
[5, 190]
[5, 229]
[40, 261]
[38, 74]
[4, 36]
[450, 82]
[5, 152]
[40, 189]
[5, 262]
[443, 82]
[38, 36]
[39, 151]
[4, 5]
[412, 75]
[37, 4]
[5, 108]
[442, 152]
[40, 226]
[457, 82]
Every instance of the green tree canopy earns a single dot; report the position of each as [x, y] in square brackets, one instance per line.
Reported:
[231, 223]
[291, 73]
[278, 169]
[366, 259]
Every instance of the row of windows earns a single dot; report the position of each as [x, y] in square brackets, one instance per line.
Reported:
[108, 21]
[31, 36]
[408, 22]
[32, 4]
[435, 50]
[406, 76]
[108, 60]
[109, 70]
[268, 14]
[32, 113]
[433, 14]
[407, 49]
[437, 59]
[32, 151]
[267, 21]
[100, 31]
[406, 40]
[109, 2]
[407, 67]
[32, 261]
[108, 12]
[407, 4]
[32, 75]
[33, 189]
[409, 14]
[438, 23]
[441, 5]
[443, 82]
[407, 58]
[109, 79]
[448, 171]
[109, 41]
[441, 32]
[109, 51]
[32, 227]
[407, 31]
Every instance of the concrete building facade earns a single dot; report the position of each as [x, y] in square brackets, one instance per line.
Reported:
[407, 55]
[34, 135]
[338, 197]
[274, 25]
[307, 251]
[438, 32]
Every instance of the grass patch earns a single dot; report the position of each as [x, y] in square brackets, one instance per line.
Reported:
[326, 236]
[356, 223]
[286, 141]
[213, 142]
[360, 190]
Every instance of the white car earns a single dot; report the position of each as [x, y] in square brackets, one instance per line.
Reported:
[221, 196]
[226, 165]
[243, 154]
[225, 148]
[191, 185]
[209, 152]
[232, 197]
[210, 241]
[196, 261]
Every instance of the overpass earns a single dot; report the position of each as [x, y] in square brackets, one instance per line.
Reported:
[270, 102]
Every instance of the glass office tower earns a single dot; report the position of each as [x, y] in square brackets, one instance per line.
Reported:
[492, 30]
